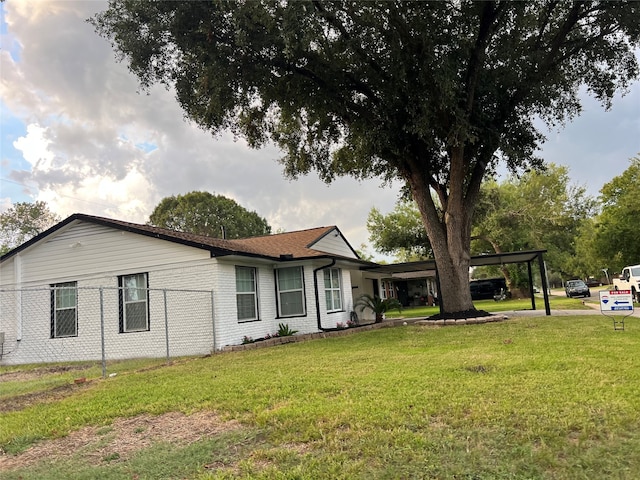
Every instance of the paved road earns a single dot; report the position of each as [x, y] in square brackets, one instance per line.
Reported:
[589, 302]
[593, 310]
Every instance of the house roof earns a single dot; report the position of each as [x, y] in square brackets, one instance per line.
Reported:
[283, 246]
[298, 244]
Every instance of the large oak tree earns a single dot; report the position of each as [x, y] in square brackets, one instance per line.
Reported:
[204, 213]
[432, 93]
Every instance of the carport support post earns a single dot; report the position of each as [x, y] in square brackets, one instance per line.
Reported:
[533, 298]
[545, 286]
[439, 293]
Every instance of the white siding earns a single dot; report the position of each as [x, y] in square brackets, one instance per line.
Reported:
[86, 250]
[94, 256]
[7, 274]
[335, 244]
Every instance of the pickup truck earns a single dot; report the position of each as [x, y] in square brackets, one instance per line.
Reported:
[629, 280]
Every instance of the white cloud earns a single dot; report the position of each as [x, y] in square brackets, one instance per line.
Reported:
[35, 148]
[5, 204]
[103, 196]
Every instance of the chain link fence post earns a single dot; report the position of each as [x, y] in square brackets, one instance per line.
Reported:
[213, 324]
[102, 342]
[166, 325]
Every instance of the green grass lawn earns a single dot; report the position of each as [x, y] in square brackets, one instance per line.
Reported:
[544, 397]
[556, 303]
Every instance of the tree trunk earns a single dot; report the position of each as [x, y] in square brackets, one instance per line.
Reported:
[497, 249]
[449, 233]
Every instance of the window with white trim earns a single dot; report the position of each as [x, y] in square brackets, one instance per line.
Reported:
[387, 290]
[333, 289]
[134, 302]
[246, 294]
[64, 310]
[290, 285]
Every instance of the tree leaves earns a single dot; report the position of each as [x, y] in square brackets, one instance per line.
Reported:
[615, 239]
[203, 213]
[24, 221]
[538, 210]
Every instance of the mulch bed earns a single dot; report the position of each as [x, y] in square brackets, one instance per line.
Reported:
[460, 315]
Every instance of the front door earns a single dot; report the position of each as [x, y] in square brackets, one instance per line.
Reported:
[402, 291]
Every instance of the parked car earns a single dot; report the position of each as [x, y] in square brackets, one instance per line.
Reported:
[576, 288]
[593, 282]
[487, 288]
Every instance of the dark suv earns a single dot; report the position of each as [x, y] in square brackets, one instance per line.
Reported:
[576, 288]
[487, 288]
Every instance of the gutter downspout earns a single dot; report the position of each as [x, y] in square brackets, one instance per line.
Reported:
[315, 288]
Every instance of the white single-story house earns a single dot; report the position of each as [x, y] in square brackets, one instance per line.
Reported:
[91, 285]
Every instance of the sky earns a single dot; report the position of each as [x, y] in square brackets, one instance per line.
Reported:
[77, 132]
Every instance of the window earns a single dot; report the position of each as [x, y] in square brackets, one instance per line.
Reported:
[333, 289]
[246, 293]
[64, 310]
[387, 290]
[290, 292]
[134, 303]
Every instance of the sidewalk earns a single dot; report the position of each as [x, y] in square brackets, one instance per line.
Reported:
[594, 310]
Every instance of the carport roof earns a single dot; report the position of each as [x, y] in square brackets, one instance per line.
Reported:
[476, 261]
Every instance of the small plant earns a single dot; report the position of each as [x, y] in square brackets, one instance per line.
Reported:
[341, 325]
[378, 306]
[351, 323]
[284, 330]
[246, 339]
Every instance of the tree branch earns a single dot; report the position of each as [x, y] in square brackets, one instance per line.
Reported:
[332, 19]
[490, 14]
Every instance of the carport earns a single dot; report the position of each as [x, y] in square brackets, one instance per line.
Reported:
[428, 266]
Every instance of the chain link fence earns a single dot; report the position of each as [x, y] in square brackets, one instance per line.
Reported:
[67, 323]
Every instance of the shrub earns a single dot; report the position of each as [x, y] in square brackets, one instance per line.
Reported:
[285, 331]
[378, 306]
